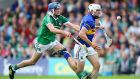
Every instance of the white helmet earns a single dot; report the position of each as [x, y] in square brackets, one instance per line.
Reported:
[94, 7]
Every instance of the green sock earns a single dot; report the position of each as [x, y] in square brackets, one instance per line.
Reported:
[79, 75]
[84, 73]
[15, 67]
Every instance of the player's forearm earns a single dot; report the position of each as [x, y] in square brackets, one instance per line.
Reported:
[73, 26]
[57, 31]
[84, 37]
[54, 30]
[76, 27]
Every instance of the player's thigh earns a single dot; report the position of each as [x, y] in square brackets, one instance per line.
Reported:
[40, 48]
[77, 53]
[80, 52]
[93, 57]
[91, 51]
[94, 60]
[77, 49]
[57, 46]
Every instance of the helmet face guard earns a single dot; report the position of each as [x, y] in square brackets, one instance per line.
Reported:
[95, 10]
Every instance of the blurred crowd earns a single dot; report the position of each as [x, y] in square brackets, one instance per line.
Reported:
[20, 22]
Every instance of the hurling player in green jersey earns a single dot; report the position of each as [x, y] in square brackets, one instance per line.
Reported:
[46, 40]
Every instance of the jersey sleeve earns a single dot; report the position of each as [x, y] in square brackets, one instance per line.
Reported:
[64, 19]
[88, 24]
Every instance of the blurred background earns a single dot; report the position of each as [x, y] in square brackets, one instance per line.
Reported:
[21, 19]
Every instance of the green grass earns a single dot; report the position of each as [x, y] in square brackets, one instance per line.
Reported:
[69, 77]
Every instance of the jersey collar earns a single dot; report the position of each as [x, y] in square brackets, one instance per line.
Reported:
[91, 15]
[50, 14]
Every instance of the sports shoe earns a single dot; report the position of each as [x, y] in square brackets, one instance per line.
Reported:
[11, 72]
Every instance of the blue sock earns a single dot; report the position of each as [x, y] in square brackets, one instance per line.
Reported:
[66, 55]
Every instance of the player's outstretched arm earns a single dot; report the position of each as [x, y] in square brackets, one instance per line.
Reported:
[57, 31]
[73, 26]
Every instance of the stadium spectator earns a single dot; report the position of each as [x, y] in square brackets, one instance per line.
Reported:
[20, 22]
[138, 67]
[111, 58]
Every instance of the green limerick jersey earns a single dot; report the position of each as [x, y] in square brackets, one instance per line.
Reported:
[45, 36]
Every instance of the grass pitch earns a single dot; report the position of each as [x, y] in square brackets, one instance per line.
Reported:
[71, 77]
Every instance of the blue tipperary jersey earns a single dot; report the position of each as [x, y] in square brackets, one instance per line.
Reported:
[88, 22]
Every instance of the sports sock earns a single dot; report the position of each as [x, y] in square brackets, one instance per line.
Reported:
[79, 75]
[15, 67]
[84, 73]
[66, 55]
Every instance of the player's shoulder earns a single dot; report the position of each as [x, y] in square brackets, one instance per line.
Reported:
[46, 17]
[88, 18]
[61, 17]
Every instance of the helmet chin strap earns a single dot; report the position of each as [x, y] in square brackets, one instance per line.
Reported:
[51, 12]
[96, 17]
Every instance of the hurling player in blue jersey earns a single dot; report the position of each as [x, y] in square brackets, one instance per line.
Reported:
[88, 28]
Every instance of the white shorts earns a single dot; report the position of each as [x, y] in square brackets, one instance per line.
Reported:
[40, 48]
[82, 51]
